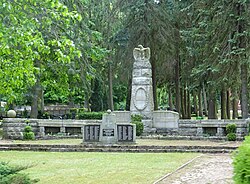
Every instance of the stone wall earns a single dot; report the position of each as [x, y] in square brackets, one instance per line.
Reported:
[13, 128]
[165, 123]
[165, 119]
[211, 127]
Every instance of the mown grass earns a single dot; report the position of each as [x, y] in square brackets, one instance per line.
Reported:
[75, 167]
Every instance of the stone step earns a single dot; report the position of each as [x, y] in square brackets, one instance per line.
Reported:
[139, 149]
[119, 146]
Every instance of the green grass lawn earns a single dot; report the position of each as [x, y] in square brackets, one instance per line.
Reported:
[96, 168]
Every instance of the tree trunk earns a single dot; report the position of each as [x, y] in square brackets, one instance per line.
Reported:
[86, 102]
[212, 113]
[235, 108]
[244, 67]
[170, 102]
[177, 85]
[205, 100]
[200, 104]
[34, 102]
[188, 105]
[184, 104]
[195, 104]
[228, 105]
[128, 99]
[223, 104]
[153, 64]
[244, 98]
[110, 81]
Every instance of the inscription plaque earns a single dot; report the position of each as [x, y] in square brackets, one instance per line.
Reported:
[91, 132]
[125, 133]
[108, 132]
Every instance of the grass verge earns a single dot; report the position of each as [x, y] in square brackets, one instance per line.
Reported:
[75, 167]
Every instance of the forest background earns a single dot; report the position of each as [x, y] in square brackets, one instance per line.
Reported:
[79, 52]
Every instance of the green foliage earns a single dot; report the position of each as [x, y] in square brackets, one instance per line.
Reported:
[139, 127]
[231, 128]
[241, 163]
[90, 115]
[10, 175]
[30, 33]
[137, 119]
[231, 136]
[27, 129]
[28, 133]
[231, 132]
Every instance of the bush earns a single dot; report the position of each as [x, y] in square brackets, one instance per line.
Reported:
[137, 120]
[241, 163]
[10, 175]
[231, 132]
[28, 133]
[27, 129]
[139, 127]
[136, 117]
[231, 128]
[90, 115]
[231, 137]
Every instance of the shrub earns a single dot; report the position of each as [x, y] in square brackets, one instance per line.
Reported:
[231, 137]
[90, 115]
[231, 128]
[10, 175]
[27, 129]
[137, 120]
[28, 133]
[139, 127]
[231, 132]
[136, 117]
[241, 163]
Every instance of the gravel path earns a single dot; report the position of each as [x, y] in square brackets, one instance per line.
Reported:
[207, 169]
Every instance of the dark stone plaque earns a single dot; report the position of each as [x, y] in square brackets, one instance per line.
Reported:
[108, 132]
[91, 132]
[125, 133]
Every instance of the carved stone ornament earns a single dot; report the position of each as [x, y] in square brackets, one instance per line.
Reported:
[140, 99]
[141, 53]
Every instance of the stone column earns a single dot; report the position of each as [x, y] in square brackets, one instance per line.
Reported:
[142, 89]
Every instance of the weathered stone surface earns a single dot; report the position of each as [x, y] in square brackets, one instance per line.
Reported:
[165, 119]
[11, 114]
[108, 129]
[13, 128]
[142, 90]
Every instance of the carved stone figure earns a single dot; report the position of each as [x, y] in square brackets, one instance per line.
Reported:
[141, 53]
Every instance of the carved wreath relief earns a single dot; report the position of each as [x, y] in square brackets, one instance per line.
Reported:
[140, 99]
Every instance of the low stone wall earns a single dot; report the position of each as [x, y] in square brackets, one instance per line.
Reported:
[211, 127]
[165, 119]
[13, 128]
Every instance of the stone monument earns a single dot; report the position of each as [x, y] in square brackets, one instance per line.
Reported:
[142, 89]
[108, 129]
[111, 131]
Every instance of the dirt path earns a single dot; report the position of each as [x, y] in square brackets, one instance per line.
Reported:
[207, 169]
